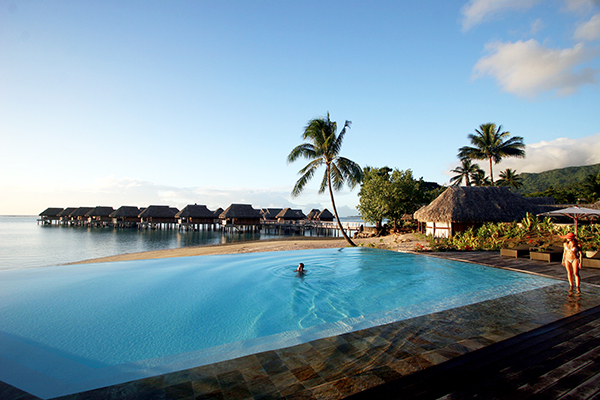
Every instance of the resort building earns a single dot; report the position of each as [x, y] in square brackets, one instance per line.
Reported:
[194, 216]
[459, 208]
[241, 217]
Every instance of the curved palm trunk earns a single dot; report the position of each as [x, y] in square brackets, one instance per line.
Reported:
[337, 218]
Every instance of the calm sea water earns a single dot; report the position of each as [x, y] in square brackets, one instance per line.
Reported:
[25, 244]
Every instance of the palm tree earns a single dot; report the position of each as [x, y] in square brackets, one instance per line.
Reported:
[489, 144]
[510, 178]
[465, 171]
[323, 148]
[591, 185]
[479, 178]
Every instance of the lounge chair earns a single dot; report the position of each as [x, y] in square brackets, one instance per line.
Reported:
[592, 262]
[516, 252]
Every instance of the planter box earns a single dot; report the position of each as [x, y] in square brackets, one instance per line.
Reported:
[547, 256]
[591, 263]
[516, 252]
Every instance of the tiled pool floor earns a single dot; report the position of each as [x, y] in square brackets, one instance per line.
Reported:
[344, 365]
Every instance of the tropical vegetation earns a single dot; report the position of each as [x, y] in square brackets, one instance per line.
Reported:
[530, 231]
[391, 194]
[322, 148]
[510, 178]
[466, 172]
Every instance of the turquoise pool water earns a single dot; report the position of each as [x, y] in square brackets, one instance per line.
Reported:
[79, 327]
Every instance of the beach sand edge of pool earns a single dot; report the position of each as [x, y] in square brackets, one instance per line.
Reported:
[404, 242]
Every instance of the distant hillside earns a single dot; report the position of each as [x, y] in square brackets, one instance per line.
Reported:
[556, 178]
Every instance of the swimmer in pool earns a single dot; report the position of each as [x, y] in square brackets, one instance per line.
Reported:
[300, 268]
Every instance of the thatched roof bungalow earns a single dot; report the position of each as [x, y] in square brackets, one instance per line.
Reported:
[50, 214]
[325, 215]
[195, 214]
[158, 215]
[287, 214]
[100, 214]
[270, 214]
[240, 214]
[313, 214]
[218, 212]
[80, 213]
[65, 215]
[125, 214]
[460, 207]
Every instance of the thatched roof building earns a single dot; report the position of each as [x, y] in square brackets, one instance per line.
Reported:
[100, 213]
[66, 213]
[195, 214]
[461, 207]
[51, 212]
[287, 214]
[313, 214]
[218, 212]
[325, 215]
[270, 214]
[240, 214]
[159, 214]
[126, 212]
[80, 213]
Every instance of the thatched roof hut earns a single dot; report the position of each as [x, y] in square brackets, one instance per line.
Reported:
[80, 213]
[313, 214]
[287, 214]
[100, 213]
[325, 215]
[51, 212]
[126, 212]
[461, 207]
[196, 214]
[218, 212]
[159, 214]
[270, 214]
[66, 213]
[240, 214]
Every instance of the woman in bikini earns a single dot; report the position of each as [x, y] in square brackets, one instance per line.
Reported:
[572, 257]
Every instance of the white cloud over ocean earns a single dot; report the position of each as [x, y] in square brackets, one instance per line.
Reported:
[476, 12]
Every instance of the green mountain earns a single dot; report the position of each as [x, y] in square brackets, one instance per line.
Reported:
[557, 178]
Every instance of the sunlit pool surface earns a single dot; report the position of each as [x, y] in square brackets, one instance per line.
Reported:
[67, 329]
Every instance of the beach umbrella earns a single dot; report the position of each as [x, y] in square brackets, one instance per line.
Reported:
[574, 212]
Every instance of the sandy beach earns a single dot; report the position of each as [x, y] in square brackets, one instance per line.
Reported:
[405, 242]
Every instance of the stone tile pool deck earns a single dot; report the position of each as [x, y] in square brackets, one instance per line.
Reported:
[372, 363]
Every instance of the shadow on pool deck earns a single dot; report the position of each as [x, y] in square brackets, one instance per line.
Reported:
[542, 342]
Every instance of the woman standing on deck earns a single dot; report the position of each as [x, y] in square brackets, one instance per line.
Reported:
[572, 257]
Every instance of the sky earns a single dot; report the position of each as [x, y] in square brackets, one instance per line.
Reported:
[179, 102]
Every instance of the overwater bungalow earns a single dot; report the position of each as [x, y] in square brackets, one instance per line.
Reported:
[242, 217]
[218, 212]
[50, 214]
[313, 214]
[100, 215]
[459, 208]
[158, 217]
[270, 214]
[325, 215]
[65, 215]
[78, 217]
[194, 216]
[126, 216]
[287, 214]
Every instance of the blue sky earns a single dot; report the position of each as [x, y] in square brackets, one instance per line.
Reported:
[179, 102]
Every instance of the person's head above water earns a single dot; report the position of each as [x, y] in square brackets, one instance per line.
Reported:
[300, 267]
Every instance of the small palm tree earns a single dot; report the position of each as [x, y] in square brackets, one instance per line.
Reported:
[510, 178]
[479, 178]
[323, 148]
[465, 172]
[591, 184]
[489, 144]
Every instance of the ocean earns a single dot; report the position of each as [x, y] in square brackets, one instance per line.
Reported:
[25, 244]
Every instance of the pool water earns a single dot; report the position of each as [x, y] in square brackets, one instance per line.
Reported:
[80, 327]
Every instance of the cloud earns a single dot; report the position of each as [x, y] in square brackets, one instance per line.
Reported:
[477, 11]
[548, 155]
[589, 30]
[529, 69]
[581, 5]
[537, 26]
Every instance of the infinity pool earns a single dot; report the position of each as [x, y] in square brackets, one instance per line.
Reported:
[67, 329]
